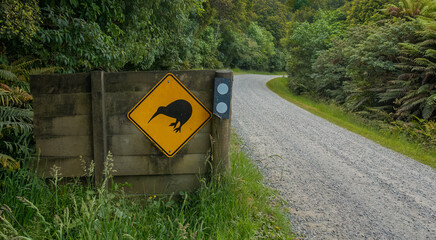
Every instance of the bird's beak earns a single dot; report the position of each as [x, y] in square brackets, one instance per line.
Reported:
[157, 113]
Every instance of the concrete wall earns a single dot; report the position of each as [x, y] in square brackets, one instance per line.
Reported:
[85, 115]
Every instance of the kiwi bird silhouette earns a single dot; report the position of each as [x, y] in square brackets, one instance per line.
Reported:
[180, 109]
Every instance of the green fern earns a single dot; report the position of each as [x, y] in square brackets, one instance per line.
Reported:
[7, 162]
[14, 97]
[413, 9]
[414, 90]
[18, 119]
[429, 106]
[16, 115]
[46, 70]
[7, 75]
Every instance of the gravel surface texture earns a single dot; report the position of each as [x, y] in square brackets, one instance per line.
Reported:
[338, 185]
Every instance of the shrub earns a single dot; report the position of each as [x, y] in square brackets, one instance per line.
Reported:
[304, 44]
[16, 115]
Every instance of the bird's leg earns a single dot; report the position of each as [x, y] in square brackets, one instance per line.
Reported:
[178, 129]
[174, 124]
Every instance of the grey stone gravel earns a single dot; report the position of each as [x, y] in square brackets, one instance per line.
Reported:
[338, 185]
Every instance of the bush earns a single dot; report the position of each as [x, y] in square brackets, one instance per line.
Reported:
[330, 72]
[413, 93]
[16, 114]
[251, 50]
[418, 130]
[365, 11]
[356, 70]
[304, 44]
[371, 62]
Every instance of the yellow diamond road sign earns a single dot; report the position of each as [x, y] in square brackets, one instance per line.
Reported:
[169, 115]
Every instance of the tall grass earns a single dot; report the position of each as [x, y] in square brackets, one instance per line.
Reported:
[233, 206]
[386, 135]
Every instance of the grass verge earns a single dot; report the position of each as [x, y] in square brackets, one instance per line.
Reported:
[235, 206]
[369, 129]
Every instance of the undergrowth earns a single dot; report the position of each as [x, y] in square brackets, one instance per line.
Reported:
[414, 139]
[233, 206]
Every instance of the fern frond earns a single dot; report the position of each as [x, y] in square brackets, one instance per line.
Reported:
[6, 75]
[423, 61]
[418, 69]
[429, 107]
[45, 70]
[7, 99]
[430, 53]
[8, 162]
[427, 42]
[22, 64]
[13, 114]
[410, 49]
[17, 127]
[16, 123]
[14, 97]
[414, 101]
[423, 88]
[5, 87]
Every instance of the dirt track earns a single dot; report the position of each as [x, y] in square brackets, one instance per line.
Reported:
[339, 185]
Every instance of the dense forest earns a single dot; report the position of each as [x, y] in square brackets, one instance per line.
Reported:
[373, 57]
[145, 35]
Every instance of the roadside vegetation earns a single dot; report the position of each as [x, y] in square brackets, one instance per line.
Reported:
[372, 62]
[235, 206]
[412, 141]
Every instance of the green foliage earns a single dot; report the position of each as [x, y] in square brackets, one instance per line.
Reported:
[206, 49]
[358, 67]
[19, 20]
[142, 35]
[272, 15]
[16, 115]
[330, 71]
[412, 8]
[414, 91]
[251, 50]
[306, 10]
[315, 4]
[303, 45]
[259, 49]
[15, 118]
[161, 34]
[246, 33]
[76, 44]
[417, 130]
[371, 62]
[235, 14]
[365, 11]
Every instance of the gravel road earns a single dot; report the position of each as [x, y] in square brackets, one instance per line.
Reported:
[338, 185]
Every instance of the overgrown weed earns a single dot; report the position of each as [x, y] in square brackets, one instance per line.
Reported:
[232, 206]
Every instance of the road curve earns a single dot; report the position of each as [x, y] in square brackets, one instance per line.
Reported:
[338, 185]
